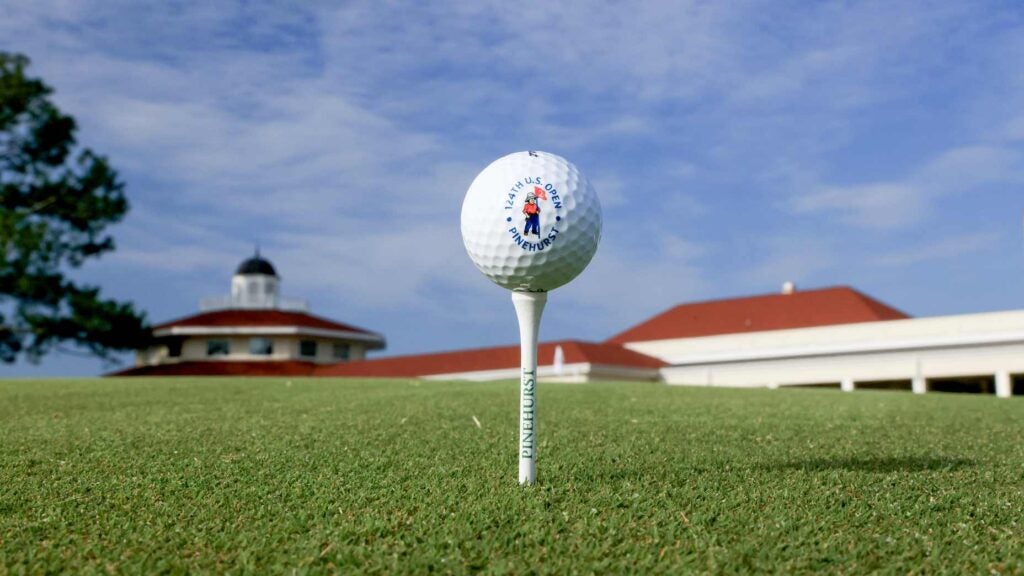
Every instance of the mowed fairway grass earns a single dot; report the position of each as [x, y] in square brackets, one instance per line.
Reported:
[336, 476]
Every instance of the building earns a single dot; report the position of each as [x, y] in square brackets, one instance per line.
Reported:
[832, 337]
[837, 337]
[252, 331]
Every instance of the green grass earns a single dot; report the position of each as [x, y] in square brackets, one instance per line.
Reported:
[322, 476]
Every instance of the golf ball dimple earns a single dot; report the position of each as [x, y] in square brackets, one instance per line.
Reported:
[531, 221]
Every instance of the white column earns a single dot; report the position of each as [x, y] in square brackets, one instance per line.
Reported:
[847, 385]
[558, 363]
[1004, 384]
[918, 384]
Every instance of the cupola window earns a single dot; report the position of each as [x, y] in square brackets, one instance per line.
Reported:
[261, 346]
[217, 348]
[341, 351]
[307, 348]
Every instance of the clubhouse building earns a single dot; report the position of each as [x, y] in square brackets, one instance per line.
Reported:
[829, 337]
[252, 331]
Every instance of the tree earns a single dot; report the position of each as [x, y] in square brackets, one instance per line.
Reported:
[56, 199]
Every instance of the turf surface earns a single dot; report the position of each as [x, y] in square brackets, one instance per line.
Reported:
[322, 476]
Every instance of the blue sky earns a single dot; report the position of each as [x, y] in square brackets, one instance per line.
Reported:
[735, 145]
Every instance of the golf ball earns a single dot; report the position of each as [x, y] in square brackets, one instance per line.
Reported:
[531, 221]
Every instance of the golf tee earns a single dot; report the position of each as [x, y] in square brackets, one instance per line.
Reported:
[529, 307]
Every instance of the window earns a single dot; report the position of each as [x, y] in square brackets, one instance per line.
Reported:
[307, 348]
[269, 289]
[261, 346]
[217, 348]
[341, 351]
[174, 348]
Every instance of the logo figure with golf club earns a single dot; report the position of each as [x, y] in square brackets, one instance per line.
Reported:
[531, 209]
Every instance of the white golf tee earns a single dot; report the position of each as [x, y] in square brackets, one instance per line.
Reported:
[529, 307]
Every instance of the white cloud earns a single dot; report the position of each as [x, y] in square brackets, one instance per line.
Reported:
[881, 205]
[789, 258]
[152, 242]
[963, 168]
[1014, 131]
[908, 201]
[941, 249]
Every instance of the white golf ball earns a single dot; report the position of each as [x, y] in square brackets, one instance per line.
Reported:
[531, 221]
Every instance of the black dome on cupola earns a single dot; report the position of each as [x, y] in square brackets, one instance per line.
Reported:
[256, 265]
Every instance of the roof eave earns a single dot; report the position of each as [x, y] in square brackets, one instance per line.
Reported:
[373, 340]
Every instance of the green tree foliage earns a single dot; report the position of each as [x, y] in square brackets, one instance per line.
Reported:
[56, 198]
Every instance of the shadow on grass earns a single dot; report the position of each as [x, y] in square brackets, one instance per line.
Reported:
[882, 464]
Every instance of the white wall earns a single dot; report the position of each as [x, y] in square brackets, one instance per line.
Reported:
[871, 366]
[939, 347]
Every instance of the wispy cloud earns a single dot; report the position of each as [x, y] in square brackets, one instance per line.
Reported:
[941, 249]
[880, 205]
[789, 258]
[910, 200]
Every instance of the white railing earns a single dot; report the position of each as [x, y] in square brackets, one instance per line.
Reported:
[214, 303]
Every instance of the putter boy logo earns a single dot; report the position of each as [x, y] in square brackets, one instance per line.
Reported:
[532, 211]
[537, 198]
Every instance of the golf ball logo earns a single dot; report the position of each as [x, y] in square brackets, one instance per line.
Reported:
[530, 207]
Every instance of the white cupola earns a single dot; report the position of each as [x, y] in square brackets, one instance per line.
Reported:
[255, 284]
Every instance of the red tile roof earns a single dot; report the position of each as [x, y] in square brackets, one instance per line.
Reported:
[497, 358]
[801, 309]
[223, 368]
[248, 317]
